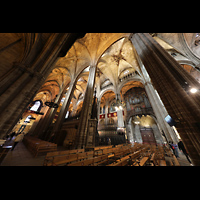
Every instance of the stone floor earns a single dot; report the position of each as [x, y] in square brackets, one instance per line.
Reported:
[20, 156]
[183, 160]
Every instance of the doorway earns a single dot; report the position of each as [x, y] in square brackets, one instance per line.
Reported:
[148, 136]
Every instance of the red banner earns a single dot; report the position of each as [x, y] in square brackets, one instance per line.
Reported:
[112, 114]
[102, 116]
[109, 115]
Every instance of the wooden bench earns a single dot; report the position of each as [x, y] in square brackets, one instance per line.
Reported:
[67, 159]
[67, 152]
[96, 161]
[101, 150]
[162, 163]
[134, 156]
[162, 156]
[49, 156]
[87, 162]
[121, 162]
[152, 160]
[35, 145]
[64, 159]
[45, 148]
[101, 160]
[142, 161]
[104, 158]
[137, 155]
[102, 147]
[126, 156]
[118, 154]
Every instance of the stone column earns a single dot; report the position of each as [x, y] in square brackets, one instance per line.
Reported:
[157, 134]
[28, 76]
[86, 110]
[90, 137]
[157, 105]
[130, 131]
[98, 100]
[160, 112]
[138, 136]
[172, 82]
[120, 119]
[133, 130]
[106, 113]
[47, 120]
[128, 107]
[63, 111]
[38, 123]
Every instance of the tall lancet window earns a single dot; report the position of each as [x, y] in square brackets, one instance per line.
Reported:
[36, 106]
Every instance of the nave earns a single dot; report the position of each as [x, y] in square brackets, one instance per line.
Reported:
[85, 90]
[120, 155]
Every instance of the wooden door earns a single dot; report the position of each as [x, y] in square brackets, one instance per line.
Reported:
[148, 136]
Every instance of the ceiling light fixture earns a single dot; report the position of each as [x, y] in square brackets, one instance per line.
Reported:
[188, 88]
[51, 104]
[193, 90]
[119, 105]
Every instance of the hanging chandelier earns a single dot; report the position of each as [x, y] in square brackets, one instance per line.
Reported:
[51, 104]
[118, 105]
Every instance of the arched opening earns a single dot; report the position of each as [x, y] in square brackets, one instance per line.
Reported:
[27, 120]
[145, 126]
[37, 106]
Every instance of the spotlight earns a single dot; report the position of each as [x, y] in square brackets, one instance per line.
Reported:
[193, 90]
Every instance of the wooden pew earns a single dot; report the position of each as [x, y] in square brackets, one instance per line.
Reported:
[138, 155]
[45, 148]
[142, 161]
[161, 156]
[162, 163]
[101, 150]
[67, 159]
[63, 160]
[87, 162]
[96, 161]
[122, 162]
[35, 145]
[134, 156]
[102, 147]
[49, 156]
[152, 160]
[121, 153]
[101, 160]
[125, 157]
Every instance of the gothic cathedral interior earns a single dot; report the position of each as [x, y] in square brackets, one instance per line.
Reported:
[84, 91]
